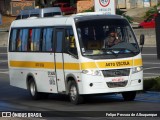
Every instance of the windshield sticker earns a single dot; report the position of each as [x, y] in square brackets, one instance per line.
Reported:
[119, 63]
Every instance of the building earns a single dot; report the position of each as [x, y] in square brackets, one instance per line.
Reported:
[129, 4]
[6, 6]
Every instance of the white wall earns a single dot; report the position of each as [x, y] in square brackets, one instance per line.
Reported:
[128, 4]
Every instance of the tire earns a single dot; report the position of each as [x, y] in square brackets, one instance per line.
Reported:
[75, 98]
[33, 90]
[129, 96]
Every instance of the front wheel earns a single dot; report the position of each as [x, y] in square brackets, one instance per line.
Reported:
[129, 96]
[75, 98]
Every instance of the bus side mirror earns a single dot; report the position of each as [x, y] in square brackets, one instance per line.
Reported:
[142, 37]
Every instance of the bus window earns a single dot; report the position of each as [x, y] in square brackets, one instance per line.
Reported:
[47, 39]
[13, 40]
[30, 41]
[59, 41]
[24, 39]
[19, 40]
[70, 45]
[36, 36]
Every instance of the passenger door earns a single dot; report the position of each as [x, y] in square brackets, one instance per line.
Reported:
[59, 62]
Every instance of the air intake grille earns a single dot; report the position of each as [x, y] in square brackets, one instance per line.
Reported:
[117, 84]
[116, 72]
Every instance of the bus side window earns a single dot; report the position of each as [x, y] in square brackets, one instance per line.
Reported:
[66, 42]
[13, 40]
[30, 41]
[24, 39]
[33, 43]
[70, 45]
[47, 39]
[19, 40]
[59, 40]
[36, 36]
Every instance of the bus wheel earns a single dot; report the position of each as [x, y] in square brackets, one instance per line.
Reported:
[75, 98]
[33, 90]
[129, 96]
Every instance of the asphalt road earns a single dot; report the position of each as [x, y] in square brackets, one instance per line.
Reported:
[15, 99]
[150, 62]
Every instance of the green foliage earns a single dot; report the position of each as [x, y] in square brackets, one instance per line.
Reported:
[120, 12]
[130, 19]
[152, 84]
[151, 11]
[89, 10]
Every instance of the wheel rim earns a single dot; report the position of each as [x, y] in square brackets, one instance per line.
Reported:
[32, 89]
[73, 92]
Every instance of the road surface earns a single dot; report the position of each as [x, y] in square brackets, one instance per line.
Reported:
[16, 99]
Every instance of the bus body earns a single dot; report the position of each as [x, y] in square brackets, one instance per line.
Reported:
[67, 55]
[43, 12]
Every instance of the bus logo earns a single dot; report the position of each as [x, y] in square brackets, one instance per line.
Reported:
[6, 114]
[104, 3]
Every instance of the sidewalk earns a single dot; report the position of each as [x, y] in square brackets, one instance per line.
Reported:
[4, 30]
[137, 13]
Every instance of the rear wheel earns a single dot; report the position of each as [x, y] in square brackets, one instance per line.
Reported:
[75, 98]
[129, 96]
[33, 90]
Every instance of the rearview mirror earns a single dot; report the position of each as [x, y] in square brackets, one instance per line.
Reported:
[142, 37]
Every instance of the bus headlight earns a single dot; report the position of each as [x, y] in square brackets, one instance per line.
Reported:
[92, 72]
[137, 69]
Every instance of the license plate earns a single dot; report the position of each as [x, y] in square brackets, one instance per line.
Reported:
[118, 79]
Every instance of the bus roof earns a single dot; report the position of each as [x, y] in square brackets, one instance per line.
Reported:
[61, 20]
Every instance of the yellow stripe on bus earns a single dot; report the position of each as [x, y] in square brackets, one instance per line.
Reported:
[31, 64]
[88, 65]
[76, 66]
[68, 66]
[138, 62]
[111, 64]
[44, 65]
[71, 66]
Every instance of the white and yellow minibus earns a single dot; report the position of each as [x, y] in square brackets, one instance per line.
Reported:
[69, 55]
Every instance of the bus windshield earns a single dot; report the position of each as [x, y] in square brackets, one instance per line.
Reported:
[106, 37]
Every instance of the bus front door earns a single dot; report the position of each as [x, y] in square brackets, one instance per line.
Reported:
[59, 62]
